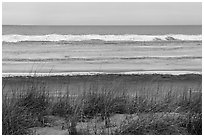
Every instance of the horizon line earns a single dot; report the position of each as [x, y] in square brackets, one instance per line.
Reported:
[100, 25]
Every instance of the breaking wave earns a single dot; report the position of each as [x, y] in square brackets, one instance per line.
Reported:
[113, 38]
[100, 73]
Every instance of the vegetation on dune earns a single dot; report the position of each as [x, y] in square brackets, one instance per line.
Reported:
[169, 114]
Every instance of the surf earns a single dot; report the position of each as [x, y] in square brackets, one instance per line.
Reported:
[107, 38]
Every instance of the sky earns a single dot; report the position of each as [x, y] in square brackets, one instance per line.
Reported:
[125, 13]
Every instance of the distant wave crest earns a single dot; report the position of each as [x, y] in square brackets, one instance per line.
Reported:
[114, 38]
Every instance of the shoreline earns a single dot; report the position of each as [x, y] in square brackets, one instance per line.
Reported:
[35, 74]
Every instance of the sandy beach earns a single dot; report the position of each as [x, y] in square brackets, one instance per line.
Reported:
[74, 104]
[101, 68]
[133, 84]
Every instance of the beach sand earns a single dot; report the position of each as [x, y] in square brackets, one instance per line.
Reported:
[133, 84]
[153, 88]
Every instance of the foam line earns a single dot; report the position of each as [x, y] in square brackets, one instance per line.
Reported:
[127, 37]
[99, 73]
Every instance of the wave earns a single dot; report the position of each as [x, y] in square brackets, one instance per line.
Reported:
[107, 38]
[99, 58]
[100, 73]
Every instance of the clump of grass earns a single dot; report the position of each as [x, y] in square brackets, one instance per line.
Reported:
[191, 102]
[103, 103]
[138, 104]
[26, 109]
[92, 104]
[120, 104]
[193, 123]
[35, 102]
[16, 119]
[22, 111]
[62, 107]
[152, 124]
[188, 104]
[196, 124]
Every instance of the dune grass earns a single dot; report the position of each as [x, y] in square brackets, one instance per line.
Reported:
[26, 108]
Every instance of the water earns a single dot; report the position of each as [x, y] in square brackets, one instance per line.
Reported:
[104, 49]
[104, 30]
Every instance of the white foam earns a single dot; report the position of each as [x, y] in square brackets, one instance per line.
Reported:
[56, 37]
[97, 73]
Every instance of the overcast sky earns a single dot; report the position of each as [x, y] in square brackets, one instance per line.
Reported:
[102, 13]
